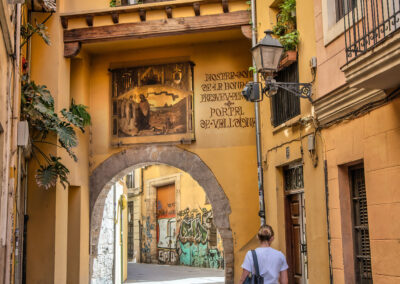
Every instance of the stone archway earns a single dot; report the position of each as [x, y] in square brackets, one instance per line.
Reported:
[119, 164]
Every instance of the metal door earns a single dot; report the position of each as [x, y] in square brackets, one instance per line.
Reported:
[166, 224]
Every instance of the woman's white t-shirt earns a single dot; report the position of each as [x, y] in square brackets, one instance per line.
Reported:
[270, 262]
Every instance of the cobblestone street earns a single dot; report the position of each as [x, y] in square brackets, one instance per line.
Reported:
[169, 274]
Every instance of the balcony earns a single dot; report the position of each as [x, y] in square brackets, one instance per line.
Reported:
[372, 42]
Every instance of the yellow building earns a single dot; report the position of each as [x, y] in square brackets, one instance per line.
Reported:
[357, 107]
[162, 82]
[12, 143]
[195, 50]
[292, 152]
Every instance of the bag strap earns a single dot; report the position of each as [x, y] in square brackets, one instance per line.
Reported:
[255, 260]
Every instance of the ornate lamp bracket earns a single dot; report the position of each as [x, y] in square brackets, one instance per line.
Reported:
[302, 90]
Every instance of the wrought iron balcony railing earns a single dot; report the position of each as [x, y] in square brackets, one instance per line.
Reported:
[367, 23]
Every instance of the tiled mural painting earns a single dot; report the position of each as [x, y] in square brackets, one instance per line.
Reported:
[198, 241]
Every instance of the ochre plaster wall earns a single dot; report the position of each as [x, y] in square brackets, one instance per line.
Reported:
[229, 153]
[293, 135]
[373, 139]
[47, 244]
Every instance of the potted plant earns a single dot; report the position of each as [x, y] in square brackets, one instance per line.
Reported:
[285, 30]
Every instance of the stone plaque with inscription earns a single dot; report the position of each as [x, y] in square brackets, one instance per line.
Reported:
[221, 94]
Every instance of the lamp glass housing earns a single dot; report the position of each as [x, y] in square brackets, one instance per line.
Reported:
[267, 57]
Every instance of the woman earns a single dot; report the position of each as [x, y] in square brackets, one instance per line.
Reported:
[272, 263]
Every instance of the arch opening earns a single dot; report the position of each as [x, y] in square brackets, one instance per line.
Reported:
[120, 164]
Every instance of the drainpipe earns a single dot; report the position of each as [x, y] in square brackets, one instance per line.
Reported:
[261, 213]
[121, 240]
[115, 231]
[327, 221]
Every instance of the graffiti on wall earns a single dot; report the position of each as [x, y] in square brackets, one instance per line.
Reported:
[166, 224]
[146, 245]
[197, 239]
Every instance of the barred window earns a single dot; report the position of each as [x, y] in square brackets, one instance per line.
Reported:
[285, 105]
[362, 252]
[343, 7]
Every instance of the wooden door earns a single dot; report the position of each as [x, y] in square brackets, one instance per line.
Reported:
[166, 224]
[296, 247]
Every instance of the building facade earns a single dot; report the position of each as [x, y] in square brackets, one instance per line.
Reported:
[162, 81]
[357, 109]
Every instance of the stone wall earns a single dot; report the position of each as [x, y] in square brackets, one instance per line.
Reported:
[103, 264]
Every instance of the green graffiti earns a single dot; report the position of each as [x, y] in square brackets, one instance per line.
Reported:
[197, 239]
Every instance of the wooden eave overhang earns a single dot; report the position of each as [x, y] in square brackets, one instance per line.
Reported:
[74, 38]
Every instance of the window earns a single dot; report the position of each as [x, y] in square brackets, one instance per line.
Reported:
[342, 7]
[293, 177]
[362, 252]
[130, 180]
[285, 105]
[130, 230]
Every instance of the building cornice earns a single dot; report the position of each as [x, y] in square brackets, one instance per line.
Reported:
[343, 101]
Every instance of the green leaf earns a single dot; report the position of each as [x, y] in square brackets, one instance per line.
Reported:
[66, 135]
[46, 176]
[81, 111]
[73, 119]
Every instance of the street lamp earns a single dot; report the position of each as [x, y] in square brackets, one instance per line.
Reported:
[267, 54]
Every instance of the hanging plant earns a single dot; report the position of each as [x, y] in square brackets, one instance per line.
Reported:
[285, 27]
[290, 40]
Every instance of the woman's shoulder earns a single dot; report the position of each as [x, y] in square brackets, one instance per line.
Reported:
[270, 250]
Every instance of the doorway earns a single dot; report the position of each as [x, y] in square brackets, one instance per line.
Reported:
[166, 224]
[295, 215]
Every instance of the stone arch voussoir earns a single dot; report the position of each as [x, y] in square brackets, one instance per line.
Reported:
[119, 164]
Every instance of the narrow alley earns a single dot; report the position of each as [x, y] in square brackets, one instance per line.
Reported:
[173, 274]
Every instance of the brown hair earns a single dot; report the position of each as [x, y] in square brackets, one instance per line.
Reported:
[265, 233]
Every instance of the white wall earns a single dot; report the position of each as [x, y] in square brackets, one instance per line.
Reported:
[104, 263]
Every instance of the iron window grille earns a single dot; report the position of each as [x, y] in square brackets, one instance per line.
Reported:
[284, 105]
[362, 251]
[293, 177]
[343, 7]
[367, 23]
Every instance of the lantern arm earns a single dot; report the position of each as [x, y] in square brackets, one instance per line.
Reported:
[302, 90]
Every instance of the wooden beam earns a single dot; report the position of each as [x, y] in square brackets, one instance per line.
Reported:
[196, 8]
[142, 15]
[246, 31]
[115, 18]
[71, 49]
[168, 10]
[152, 6]
[157, 28]
[64, 23]
[225, 6]
[89, 20]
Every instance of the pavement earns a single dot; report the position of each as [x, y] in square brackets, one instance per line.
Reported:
[173, 274]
